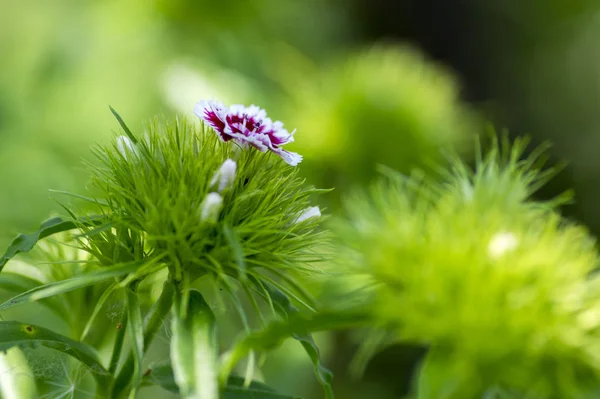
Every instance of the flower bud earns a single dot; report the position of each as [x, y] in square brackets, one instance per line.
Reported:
[310, 212]
[125, 146]
[211, 208]
[225, 176]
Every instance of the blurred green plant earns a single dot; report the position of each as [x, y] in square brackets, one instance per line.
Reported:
[384, 105]
[496, 284]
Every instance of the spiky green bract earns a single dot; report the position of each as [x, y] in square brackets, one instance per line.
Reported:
[155, 192]
[496, 283]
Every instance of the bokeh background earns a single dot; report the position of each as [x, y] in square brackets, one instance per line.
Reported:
[365, 82]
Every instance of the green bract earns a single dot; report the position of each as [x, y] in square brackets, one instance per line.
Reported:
[496, 283]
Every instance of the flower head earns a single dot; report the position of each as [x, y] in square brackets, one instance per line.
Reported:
[248, 126]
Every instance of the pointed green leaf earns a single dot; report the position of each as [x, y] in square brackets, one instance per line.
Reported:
[14, 333]
[123, 125]
[136, 334]
[152, 323]
[324, 376]
[15, 282]
[71, 284]
[194, 348]
[26, 242]
[97, 308]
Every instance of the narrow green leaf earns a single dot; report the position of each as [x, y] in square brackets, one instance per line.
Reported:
[181, 347]
[15, 282]
[136, 333]
[71, 284]
[324, 376]
[26, 242]
[13, 333]
[204, 337]
[123, 125]
[194, 348]
[152, 323]
[97, 308]
[162, 375]
[149, 268]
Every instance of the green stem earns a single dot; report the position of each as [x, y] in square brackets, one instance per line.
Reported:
[152, 323]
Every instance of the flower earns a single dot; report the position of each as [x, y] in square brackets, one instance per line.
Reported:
[248, 125]
[211, 208]
[125, 146]
[224, 176]
[311, 212]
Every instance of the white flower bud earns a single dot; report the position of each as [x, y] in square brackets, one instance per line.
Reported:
[225, 176]
[211, 208]
[125, 146]
[311, 212]
[502, 243]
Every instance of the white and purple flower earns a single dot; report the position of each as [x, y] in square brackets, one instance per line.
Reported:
[248, 125]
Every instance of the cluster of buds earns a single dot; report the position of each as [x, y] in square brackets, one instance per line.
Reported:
[222, 180]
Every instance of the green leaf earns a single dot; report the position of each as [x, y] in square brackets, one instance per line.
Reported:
[15, 282]
[123, 125]
[14, 333]
[194, 347]
[298, 326]
[324, 376]
[152, 323]
[136, 333]
[71, 284]
[162, 375]
[26, 242]
[97, 308]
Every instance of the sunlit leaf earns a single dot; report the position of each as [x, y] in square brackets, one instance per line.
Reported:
[13, 333]
[26, 242]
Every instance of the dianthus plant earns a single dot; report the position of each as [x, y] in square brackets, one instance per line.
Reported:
[213, 211]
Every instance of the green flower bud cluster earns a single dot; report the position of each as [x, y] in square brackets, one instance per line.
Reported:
[202, 205]
[498, 285]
